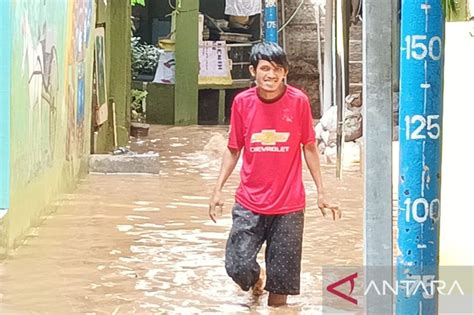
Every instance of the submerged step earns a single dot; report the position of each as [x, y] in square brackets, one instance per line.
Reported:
[148, 163]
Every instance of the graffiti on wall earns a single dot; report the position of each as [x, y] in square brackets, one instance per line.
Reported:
[78, 38]
[52, 79]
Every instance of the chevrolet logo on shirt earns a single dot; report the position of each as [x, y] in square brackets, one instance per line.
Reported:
[270, 137]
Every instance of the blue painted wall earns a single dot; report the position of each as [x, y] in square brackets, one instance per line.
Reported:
[5, 70]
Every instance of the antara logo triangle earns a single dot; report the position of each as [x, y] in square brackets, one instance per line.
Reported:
[332, 288]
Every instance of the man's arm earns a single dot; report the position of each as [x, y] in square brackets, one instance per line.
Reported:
[229, 161]
[311, 155]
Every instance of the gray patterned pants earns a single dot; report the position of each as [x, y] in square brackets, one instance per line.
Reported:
[284, 237]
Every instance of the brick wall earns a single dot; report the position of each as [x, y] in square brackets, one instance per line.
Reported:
[301, 47]
[302, 50]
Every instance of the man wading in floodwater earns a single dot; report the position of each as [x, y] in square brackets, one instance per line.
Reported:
[272, 123]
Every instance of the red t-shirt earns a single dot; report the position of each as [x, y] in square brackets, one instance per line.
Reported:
[271, 135]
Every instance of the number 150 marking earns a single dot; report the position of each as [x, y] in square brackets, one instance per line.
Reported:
[433, 128]
[417, 48]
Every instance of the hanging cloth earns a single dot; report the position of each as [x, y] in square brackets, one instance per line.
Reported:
[243, 7]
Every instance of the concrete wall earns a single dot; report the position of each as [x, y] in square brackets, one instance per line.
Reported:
[51, 82]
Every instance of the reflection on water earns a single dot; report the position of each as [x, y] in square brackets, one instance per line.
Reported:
[144, 244]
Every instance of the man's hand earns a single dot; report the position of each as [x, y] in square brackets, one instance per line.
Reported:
[229, 160]
[214, 203]
[323, 205]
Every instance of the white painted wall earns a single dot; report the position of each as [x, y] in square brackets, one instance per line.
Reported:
[457, 190]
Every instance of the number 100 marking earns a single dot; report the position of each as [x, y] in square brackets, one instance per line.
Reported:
[431, 210]
[417, 49]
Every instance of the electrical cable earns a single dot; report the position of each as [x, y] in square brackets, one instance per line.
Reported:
[292, 16]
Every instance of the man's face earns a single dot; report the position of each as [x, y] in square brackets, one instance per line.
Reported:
[269, 76]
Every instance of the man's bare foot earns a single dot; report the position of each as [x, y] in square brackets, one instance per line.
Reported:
[259, 286]
[276, 299]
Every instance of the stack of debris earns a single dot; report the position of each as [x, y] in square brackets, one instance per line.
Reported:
[326, 130]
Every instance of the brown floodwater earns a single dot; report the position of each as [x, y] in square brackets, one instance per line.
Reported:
[122, 244]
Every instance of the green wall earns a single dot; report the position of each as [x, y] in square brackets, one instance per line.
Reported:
[51, 91]
[115, 17]
[461, 12]
[160, 104]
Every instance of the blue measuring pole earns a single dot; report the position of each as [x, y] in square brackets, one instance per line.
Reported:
[5, 72]
[421, 99]
[271, 21]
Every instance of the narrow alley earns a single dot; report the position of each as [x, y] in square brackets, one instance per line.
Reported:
[142, 244]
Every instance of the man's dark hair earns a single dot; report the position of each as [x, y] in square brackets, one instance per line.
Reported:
[270, 52]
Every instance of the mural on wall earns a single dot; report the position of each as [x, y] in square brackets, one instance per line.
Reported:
[50, 82]
[79, 32]
[40, 70]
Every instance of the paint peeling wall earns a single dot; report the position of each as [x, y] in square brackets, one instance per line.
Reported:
[51, 86]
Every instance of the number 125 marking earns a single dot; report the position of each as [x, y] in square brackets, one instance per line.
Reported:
[433, 128]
